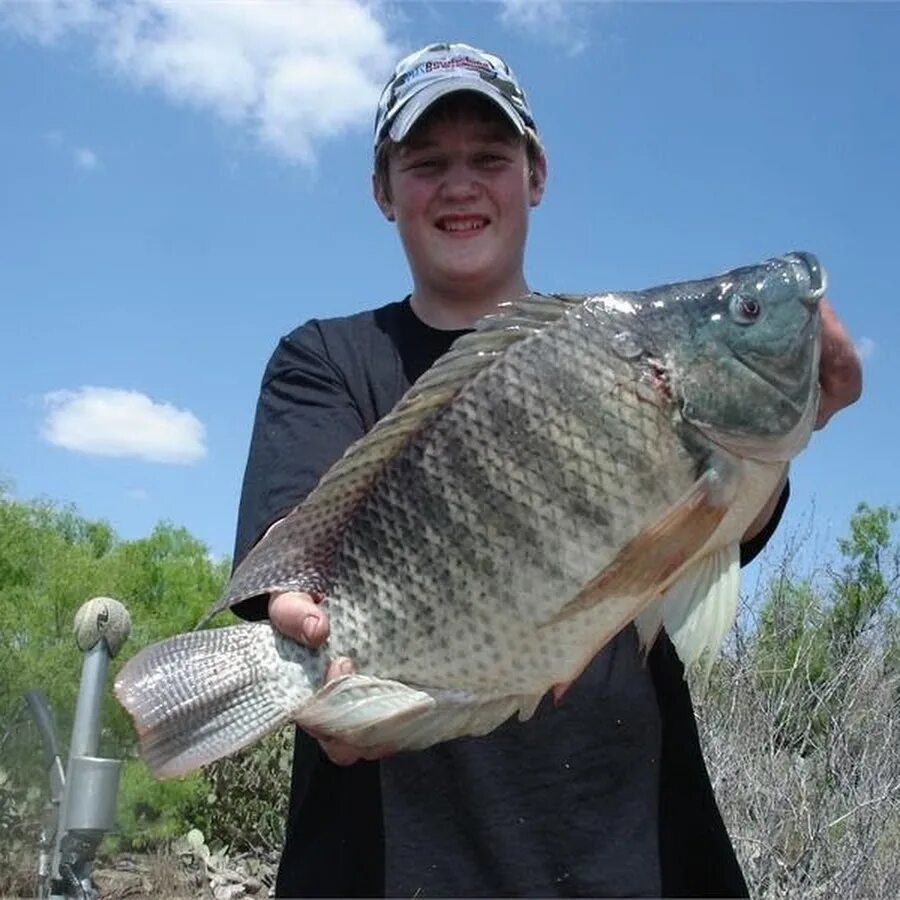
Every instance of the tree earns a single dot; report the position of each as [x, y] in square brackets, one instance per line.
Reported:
[52, 560]
[807, 628]
[864, 590]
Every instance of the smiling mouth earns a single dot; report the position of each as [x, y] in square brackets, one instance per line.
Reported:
[462, 224]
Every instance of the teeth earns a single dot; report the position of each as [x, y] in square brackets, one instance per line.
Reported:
[470, 225]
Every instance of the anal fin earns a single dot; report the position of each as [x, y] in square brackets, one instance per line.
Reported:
[362, 709]
[370, 712]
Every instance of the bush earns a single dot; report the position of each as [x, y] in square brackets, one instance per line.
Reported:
[250, 792]
[800, 718]
[152, 813]
[51, 561]
[800, 726]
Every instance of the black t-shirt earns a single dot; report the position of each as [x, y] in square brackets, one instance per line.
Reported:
[606, 795]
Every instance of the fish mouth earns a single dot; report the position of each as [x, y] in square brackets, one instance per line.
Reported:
[462, 224]
[812, 272]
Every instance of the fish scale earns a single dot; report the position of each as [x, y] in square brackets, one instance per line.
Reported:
[528, 491]
[573, 465]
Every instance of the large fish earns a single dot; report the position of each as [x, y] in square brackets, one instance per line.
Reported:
[574, 464]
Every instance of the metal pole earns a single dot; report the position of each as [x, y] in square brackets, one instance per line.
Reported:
[87, 810]
[85, 737]
[86, 728]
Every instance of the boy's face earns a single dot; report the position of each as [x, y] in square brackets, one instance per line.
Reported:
[460, 192]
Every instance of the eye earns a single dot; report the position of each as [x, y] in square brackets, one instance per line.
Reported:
[491, 160]
[745, 310]
[422, 164]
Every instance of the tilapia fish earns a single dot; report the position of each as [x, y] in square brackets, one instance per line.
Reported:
[574, 464]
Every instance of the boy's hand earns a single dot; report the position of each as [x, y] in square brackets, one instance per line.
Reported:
[297, 616]
[840, 371]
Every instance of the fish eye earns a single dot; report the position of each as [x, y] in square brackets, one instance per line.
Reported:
[745, 310]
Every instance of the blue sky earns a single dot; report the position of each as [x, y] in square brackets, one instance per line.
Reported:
[183, 183]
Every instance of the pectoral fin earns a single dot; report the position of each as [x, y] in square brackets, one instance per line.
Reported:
[701, 606]
[648, 624]
[651, 561]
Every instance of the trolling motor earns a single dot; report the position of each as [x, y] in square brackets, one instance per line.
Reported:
[82, 804]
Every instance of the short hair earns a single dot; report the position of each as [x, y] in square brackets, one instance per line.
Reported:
[446, 108]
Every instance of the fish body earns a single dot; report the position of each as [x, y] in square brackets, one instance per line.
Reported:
[574, 464]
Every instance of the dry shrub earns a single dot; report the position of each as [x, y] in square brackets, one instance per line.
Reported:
[813, 807]
[250, 795]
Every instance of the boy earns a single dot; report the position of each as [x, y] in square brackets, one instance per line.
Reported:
[606, 795]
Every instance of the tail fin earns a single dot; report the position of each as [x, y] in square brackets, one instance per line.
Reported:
[206, 694]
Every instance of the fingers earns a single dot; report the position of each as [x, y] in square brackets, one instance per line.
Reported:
[840, 370]
[559, 691]
[298, 616]
[340, 665]
[342, 754]
[339, 752]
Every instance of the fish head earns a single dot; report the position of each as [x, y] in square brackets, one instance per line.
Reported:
[747, 373]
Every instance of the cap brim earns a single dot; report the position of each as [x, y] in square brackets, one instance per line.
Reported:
[417, 103]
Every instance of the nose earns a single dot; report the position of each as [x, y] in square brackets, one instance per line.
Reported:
[460, 182]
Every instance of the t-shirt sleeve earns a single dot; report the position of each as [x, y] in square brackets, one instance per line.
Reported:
[305, 419]
[752, 548]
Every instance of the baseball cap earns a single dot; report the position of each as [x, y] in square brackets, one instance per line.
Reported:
[437, 70]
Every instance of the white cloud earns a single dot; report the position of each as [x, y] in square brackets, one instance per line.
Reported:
[47, 20]
[294, 72]
[85, 158]
[113, 422]
[559, 22]
[137, 493]
[865, 348]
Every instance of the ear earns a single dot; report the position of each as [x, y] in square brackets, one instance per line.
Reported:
[382, 198]
[537, 177]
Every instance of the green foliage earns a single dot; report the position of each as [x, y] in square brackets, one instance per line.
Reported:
[790, 631]
[817, 681]
[250, 793]
[791, 648]
[806, 629]
[153, 812]
[866, 585]
[51, 561]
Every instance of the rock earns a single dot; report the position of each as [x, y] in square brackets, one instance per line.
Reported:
[252, 885]
[228, 891]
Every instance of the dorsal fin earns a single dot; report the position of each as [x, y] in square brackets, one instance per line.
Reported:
[304, 540]
[469, 355]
